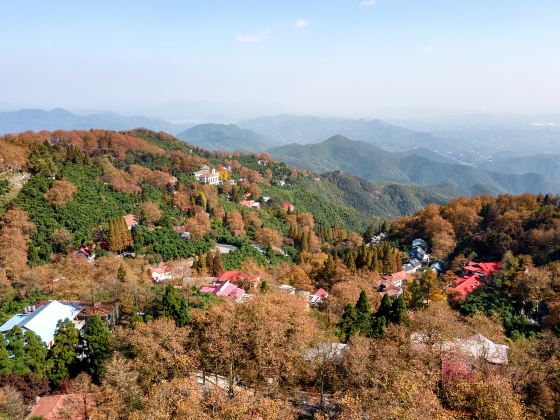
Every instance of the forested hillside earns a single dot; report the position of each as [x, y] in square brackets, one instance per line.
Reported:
[228, 285]
[377, 165]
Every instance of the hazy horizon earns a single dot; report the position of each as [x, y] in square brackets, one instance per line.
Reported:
[233, 60]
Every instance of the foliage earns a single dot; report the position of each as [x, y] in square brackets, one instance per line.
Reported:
[96, 348]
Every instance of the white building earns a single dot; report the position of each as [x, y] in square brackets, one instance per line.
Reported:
[207, 176]
[43, 319]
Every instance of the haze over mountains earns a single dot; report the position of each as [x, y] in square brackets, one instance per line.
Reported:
[474, 155]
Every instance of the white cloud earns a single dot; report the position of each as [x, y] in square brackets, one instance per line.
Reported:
[251, 38]
[301, 23]
[368, 3]
[425, 49]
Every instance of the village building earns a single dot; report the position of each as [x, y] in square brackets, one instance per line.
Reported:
[474, 275]
[182, 232]
[87, 253]
[288, 289]
[288, 207]
[160, 274]
[246, 281]
[226, 289]
[318, 297]
[131, 220]
[251, 204]
[207, 176]
[43, 317]
[225, 248]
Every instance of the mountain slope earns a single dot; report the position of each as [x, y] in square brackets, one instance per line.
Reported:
[60, 119]
[305, 130]
[225, 137]
[377, 165]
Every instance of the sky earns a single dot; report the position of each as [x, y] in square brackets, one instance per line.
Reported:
[241, 58]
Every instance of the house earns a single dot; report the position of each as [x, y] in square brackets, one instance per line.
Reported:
[106, 311]
[241, 279]
[131, 220]
[318, 297]
[395, 280]
[225, 248]
[280, 183]
[43, 317]
[412, 266]
[419, 253]
[162, 273]
[207, 176]
[437, 267]
[182, 232]
[63, 406]
[376, 239]
[252, 204]
[288, 289]
[420, 243]
[226, 289]
[288, 207]
[474, 275]
[87, 253]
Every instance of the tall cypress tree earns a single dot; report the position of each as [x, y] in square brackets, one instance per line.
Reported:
[97, 349]
[210, 263]
[399, 313]
[36, 355]
[363, 309]
[218, 265]
[63, 351]
[386, 307]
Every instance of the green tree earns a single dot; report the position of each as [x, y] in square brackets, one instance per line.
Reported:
[5, 361]
[351, 261]
[347, 324]
[97, 347]
[174, 306]
[363, 311]
[386, 307]
[36, 355]
[63, 352]
[43, 161]
[399, 313]
[16, 349]
[183, 316]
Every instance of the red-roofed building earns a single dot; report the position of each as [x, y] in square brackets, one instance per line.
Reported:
[131, 220]
[162, 273]
[288, 207]
[252, 204]
[226, 289]
[318, 297]
[67, 406]
[239, 278]
[474, 275]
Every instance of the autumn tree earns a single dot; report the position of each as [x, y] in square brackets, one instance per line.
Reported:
[234, 222]
[60, 193]
[267, 237]
[199, 225]
[120, 237]
[151, 212]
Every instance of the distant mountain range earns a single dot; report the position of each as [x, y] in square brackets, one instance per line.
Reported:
[60, 119]
[377, 165]
[305, 130]
[226, 137]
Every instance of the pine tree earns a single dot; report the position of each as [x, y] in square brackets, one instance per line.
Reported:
[35, 354]
[121, 274]
[201, 262]
[170, 302]
[218, 265]
[347, 324]
[399, 313]
[210, 263]
[183, 315]
[386, 307]
[378, 327]
[351, 261]
[63, 351]
[5, 361]
[363, 310]
[97, 348]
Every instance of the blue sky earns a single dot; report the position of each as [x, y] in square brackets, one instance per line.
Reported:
[239, 58]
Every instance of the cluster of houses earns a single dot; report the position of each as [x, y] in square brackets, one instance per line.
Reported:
[205, 175]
